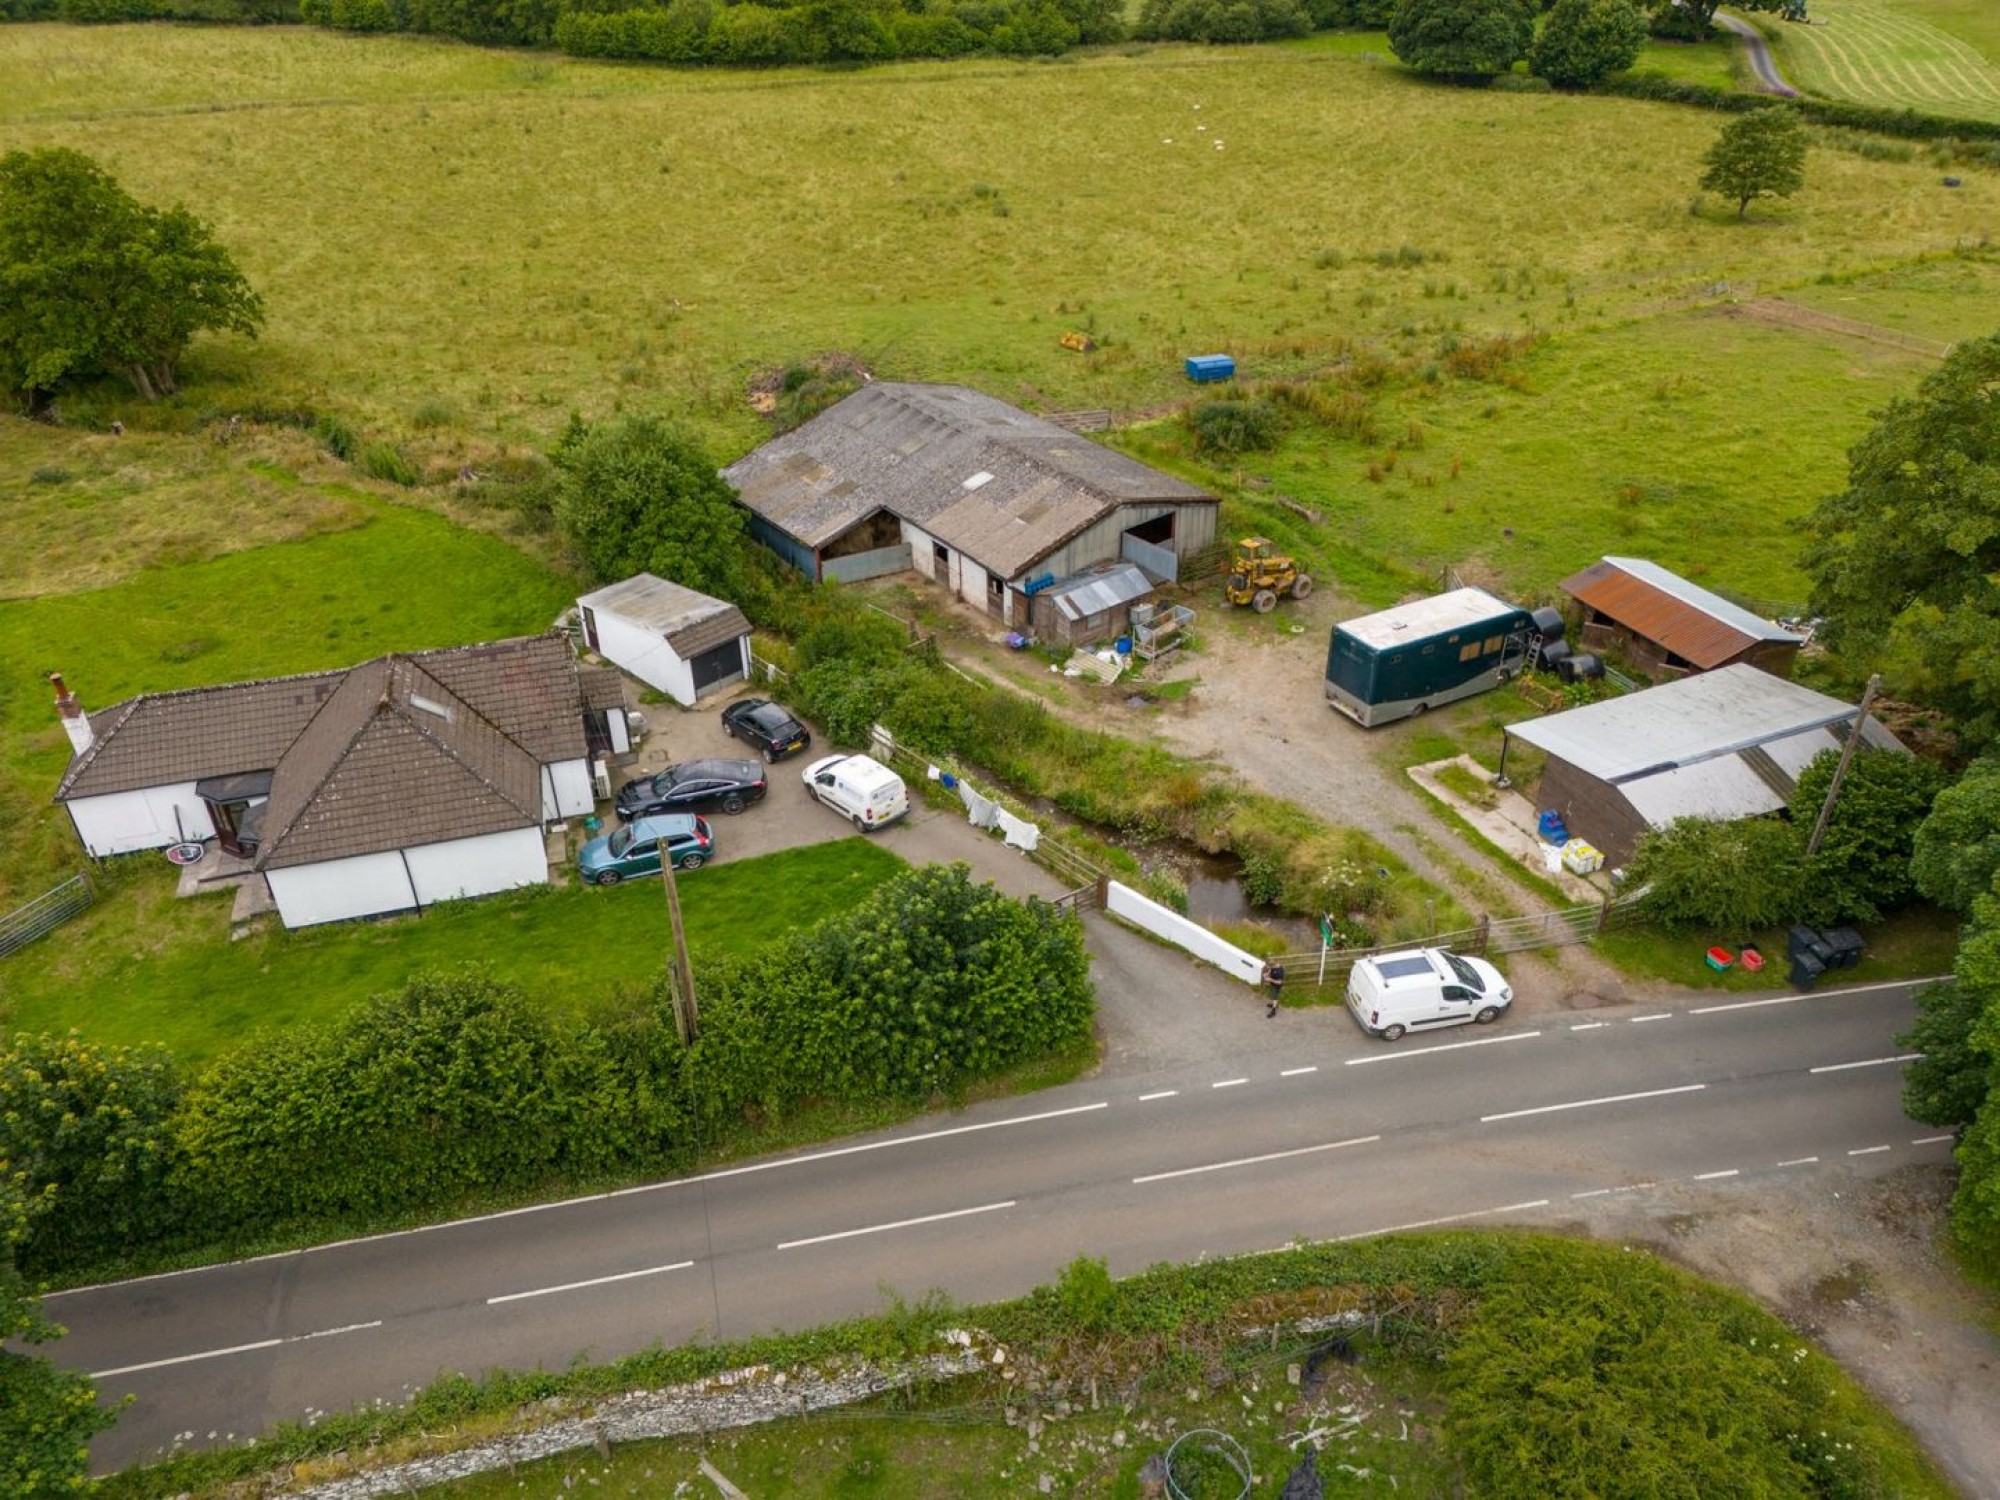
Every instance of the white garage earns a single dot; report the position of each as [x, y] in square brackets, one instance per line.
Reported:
[670, 637]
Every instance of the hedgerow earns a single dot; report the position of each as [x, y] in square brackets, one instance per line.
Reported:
[460, 1084]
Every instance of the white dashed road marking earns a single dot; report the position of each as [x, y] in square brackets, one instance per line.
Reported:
[1550, 1109]
[577, 1286]
[848, 1234]
[1252, 1161]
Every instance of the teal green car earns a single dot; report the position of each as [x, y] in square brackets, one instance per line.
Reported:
[635, 849]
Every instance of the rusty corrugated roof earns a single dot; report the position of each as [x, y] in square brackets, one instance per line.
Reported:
[1699, 627]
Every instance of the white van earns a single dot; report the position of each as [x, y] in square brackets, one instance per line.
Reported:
[1422, 989]
[859, 788]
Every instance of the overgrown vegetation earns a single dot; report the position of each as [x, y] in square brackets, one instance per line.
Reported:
[1632, 1377]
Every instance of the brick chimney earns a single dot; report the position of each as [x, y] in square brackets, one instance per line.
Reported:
[74, 722]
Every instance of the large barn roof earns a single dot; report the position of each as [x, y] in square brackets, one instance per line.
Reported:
[987, 479]
[1695, 725]
[1698, 626]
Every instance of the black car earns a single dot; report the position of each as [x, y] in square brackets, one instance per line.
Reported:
[767, 725]
[697, 786]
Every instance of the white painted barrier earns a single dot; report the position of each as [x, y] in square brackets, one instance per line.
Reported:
[1144, 912]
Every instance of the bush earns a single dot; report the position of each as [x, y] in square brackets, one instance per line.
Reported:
[336, 436]
[1463, 39]
[641, 496]
[387, 462]
[1234, 426]
[1732, 879]
[1220, 21]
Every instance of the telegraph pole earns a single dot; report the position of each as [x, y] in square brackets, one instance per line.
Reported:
[1840, 771]
[680, 976]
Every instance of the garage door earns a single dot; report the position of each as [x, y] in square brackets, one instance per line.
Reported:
[718, 665]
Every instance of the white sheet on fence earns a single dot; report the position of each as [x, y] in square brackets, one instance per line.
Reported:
[1019, 832]
[1143, 911]
[978, 810]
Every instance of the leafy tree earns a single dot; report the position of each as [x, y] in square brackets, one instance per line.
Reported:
[1730, 878]
[639, 496]
[1948, 1083]
[1862, 869]
[1975, 1207]
[92, 281]
[1693, 20]
[1956, 855]
[1583, 41]
[1223, 21]
[1757, 155]
[1461, 38]
[1905, 560]
[86, 1133]
[47, 1415]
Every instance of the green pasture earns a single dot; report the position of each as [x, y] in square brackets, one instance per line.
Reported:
[394, 579]
[1900, 54]
[145, 967]
[1696, 439]
[510, 238]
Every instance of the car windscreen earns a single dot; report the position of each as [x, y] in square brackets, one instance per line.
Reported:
[620, 841]
[773, 717]
[1467, 975]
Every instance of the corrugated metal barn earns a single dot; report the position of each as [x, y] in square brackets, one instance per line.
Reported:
[1723, 745]
[979, 496]
[1668, 626]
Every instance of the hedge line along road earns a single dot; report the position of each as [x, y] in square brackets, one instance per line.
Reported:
[1319, 1133]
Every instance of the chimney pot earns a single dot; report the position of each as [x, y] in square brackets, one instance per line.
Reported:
[75, 723]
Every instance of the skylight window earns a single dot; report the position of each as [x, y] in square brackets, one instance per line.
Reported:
[982, 477]
[430, 706]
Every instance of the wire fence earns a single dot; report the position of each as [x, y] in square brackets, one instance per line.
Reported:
[45, 913]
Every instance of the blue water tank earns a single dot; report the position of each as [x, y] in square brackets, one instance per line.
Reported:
[1203, 368]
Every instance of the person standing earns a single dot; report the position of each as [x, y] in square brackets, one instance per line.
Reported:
[1274, 987]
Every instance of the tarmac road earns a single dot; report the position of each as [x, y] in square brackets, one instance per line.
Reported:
[1758, 52]
[1298, 1131]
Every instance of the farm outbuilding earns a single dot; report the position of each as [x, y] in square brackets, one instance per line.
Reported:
[1723, 745]
[682, 642]
[987, 501]
[1668, 626]
[408, 780]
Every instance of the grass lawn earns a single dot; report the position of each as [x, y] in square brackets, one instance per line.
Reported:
[1914, 944]
[1934, 55]
[394, 579]
[1713, 62]
[144, 967]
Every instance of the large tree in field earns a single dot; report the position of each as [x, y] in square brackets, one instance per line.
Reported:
[1758, 155]
[1583, 41]
[1905, 561]
[1693, 20]
[93, 281]
[640, 496]
[1461, 38]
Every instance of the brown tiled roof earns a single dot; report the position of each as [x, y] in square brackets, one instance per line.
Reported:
[705, 635]
[165, 738]
[393, 760]
[527, 687]
[603, 689]
[1698, 626]
[397, 752]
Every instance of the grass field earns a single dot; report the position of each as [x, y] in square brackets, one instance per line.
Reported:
[392, 578]
[160, 970]
[1901, 54]
[515, 237]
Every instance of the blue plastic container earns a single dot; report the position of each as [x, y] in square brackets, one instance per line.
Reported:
[1205, 368]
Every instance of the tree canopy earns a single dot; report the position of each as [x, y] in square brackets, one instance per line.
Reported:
[1758, 155]
[641, 496]
[94, 282]
[1861, 870]
[1583, 41]
[1905, 561]
[1461, 38]
[1693, 20]
[1956, 856]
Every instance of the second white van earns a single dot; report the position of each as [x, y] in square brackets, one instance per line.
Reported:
[1422, 989]
[859, 788]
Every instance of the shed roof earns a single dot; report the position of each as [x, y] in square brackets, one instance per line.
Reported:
[991, 481]
[689, 621]
[1690, 722]
[1100, 589]
[1698, 626]
[1458, 609]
